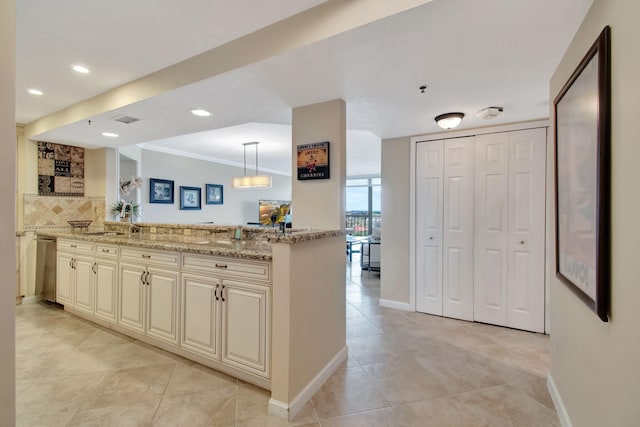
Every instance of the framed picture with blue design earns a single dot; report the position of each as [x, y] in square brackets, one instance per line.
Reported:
[214, 194]
[190, 198]
[160, 191]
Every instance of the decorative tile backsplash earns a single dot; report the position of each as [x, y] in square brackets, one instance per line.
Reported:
[54, 211]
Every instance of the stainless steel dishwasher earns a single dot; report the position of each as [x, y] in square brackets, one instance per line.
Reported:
[46, 267]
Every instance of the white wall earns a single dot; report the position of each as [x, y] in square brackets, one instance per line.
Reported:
[7, 211]
[594, 365]
[240, 205]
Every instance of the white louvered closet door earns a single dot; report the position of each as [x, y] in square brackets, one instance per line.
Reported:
[429, 202]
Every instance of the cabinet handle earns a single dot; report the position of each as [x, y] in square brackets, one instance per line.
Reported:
[106, 250]
[146, 256]
[522, 242]
[71, 263]
[146, 278]
[221, 266]
[215, 292]
[93, 268]
[73, 246]
[142, 278]
[222, 293]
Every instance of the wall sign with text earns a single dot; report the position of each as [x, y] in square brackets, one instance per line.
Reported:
[313, 161]
[60, 170]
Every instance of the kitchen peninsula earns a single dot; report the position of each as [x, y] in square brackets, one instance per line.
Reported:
[268, 308]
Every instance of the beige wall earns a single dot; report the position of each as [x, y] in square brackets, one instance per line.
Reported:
[320, 203]
[7, 212]
[394, 283]
[595, 365]
[95, 172]
[309, 319]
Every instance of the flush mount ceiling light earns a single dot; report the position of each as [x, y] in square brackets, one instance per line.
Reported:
[449, 120]
[80, 69]
[201, 113]
[110, 134]
[35, 91]
[251, 181]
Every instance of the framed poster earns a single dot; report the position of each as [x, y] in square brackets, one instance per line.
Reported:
[582, 133]
[60, 170]
[214, 194]
[313, 161]
[190, 198]
[160, 191]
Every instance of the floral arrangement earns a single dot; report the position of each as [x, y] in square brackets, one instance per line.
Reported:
[126, 186]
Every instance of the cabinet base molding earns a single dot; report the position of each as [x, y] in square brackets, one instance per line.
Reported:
[290, 410]
[33, 299]
[260, 382]
[398, 305]
[565, 421]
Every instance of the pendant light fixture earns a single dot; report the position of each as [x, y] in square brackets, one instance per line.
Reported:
[449, 120]
[251, 181]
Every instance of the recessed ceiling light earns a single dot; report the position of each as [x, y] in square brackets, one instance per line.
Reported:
[110, 134]
[34, 91]
[80, 69]
[201, 113]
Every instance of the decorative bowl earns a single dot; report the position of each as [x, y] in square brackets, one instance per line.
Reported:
[80, 223]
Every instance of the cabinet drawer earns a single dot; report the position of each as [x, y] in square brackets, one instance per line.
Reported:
[107, 251]
[75, 246]
[152, 257]
[256, 270]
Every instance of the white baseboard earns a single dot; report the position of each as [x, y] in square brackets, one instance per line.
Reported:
[565, 421]
[405, 306]
[279, 409]
[289, 411]
[31, 299]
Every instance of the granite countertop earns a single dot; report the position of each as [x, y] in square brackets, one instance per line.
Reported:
[247, 249]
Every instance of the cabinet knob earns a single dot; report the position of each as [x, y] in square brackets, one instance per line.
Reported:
[522, 242]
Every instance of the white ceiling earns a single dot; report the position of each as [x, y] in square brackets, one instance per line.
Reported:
[471, 53]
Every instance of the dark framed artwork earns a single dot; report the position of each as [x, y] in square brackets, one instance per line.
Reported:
[160, 191]
[190, 198]
[582, 152]
[214, 194]
[313, 161]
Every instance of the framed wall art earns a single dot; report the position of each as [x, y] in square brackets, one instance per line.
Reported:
[582, 152]
[160, 191]
[190, 198]
[214, 195]
[313, 161]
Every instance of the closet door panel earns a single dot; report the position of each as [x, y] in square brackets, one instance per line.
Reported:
[429, 199]
[457, 263]
[527, 151]
[490, 228]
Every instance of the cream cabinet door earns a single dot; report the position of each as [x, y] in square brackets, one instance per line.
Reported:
[106, 289]
[200, 317]
[64, 279]
[162, 304]
[83, 268]
[246, 326]
[132, 297]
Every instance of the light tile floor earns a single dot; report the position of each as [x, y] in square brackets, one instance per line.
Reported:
[404, 369]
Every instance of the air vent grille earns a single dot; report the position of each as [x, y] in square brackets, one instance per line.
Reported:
[126, 119]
